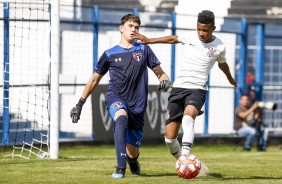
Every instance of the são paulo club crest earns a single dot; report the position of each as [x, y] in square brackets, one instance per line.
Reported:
[137, 55]
[116, 104]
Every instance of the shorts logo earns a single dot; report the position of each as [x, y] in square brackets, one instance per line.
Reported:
[191, 102]
[167, 115]
[137, 55]
[116, 104]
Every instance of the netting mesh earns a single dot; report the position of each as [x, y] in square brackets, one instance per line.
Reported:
[25, 67]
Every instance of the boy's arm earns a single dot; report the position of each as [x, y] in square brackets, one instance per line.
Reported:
[166, 39]
[90, 86]
[158, 71]
[165, 83]
[225, 68]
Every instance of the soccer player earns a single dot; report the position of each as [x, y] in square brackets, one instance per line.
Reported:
[126, 98]
[201, 50]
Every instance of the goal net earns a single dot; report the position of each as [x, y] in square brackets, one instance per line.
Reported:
[25, 66]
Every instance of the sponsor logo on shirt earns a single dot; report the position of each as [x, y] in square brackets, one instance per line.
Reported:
[137, 55]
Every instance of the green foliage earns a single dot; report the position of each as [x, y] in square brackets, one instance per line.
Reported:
[95, 164]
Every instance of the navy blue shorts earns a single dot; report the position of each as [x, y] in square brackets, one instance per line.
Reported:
[133, 135]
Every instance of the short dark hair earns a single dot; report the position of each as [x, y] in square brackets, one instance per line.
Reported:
[130, 17]
[244, 94]
[206, 17]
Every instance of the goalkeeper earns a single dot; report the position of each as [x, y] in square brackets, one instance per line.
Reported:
[201, 50]
[126, 99]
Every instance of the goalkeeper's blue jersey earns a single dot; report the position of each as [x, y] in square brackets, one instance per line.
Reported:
[128, 75]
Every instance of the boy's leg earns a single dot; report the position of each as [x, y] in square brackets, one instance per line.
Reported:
[120, 145]
[194, 101]
[134, 139]
[118, 113]
[173, 124]
[188, 134]
[132, 160]
[173, 145]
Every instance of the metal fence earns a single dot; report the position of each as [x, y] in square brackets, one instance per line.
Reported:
[160, 24]
[87, 31]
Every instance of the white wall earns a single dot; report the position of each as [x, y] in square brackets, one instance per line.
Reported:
[77, 59]
[76, 65]
[193, 7]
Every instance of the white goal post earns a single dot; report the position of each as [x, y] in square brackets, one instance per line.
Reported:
[55, 50]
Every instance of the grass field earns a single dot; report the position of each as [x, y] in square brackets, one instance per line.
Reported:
[95, 164]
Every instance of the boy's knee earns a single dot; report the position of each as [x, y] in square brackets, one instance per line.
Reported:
[253, 132]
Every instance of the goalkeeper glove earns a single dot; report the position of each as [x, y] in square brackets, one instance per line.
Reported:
[76, 111]
[165, 85]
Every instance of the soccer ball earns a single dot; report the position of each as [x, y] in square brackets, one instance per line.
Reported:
[188, 166]
[43, 155]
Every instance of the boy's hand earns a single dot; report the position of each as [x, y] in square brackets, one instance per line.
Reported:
[165, 85]
[141, 38]
[76, 111]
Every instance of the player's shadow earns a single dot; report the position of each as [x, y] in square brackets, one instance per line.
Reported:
[158, 175]
[219, 176]
[215, 175]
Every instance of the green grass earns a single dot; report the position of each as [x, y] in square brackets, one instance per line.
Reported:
[95, 164]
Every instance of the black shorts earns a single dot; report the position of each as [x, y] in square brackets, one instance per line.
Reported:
[180, 98]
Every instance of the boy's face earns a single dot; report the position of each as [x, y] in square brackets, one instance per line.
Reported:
[128, 29]
[205, 32]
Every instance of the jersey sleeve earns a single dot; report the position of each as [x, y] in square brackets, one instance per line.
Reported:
[181, 40]
[221, 57]
[152, 60]
[102, 65]
[190, 38]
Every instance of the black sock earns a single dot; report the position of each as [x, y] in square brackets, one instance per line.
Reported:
[132, 160]
[133, 163]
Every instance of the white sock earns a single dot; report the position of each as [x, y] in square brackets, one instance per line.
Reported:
[173, 147]
[188, 134]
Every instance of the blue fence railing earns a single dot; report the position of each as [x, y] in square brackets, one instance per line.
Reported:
[95, 22]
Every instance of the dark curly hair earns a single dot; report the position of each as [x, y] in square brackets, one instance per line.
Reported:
[130, 17]
[206, 17]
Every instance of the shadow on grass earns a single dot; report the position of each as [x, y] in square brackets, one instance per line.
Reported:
[158, 175]
[213, 176]
[219, 176]
[20, 161]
